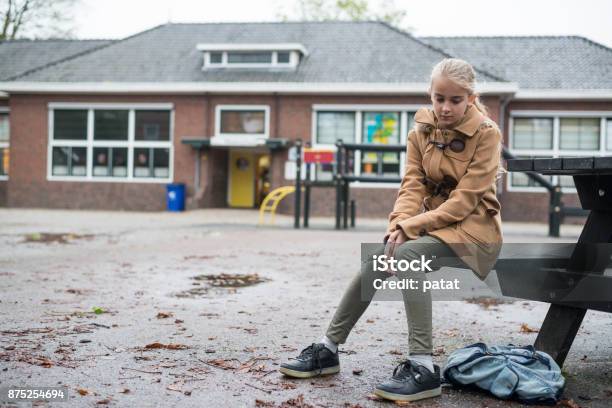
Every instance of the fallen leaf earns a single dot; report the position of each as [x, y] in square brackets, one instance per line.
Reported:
[570, 403]
[170, 346]
[288, 386]
[296, 402]
[98, 310]
[164, 315]
[82, 391]
[527, 329]
[177, 386]
[221, 363]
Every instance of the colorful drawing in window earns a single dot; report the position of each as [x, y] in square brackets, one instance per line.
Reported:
[380, 128]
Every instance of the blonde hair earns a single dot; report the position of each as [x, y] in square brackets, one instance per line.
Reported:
[461, 73]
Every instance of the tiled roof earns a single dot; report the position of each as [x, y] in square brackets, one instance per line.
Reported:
[536, 62]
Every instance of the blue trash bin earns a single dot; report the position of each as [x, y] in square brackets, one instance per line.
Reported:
[175, 197]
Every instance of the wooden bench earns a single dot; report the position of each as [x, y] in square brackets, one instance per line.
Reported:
[585, 265]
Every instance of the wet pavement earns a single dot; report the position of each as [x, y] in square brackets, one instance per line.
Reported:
[200, 308]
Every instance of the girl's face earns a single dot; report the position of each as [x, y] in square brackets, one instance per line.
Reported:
[449, 100]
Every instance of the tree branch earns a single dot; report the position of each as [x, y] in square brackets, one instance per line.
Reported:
[7, 20]
[19, 18]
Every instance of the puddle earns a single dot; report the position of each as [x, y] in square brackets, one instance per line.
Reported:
[220, 284]
[60, 238]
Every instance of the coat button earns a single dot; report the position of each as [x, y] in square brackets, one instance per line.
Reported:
[422, 232]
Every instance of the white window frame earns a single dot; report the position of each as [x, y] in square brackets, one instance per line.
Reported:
[241, 139]
[293, 60]
[5, 109]
[359, 109]
[130, 144]
[556, 116]
[294, 49]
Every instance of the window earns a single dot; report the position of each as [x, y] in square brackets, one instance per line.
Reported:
[153, 125]
[150, 162]
[216, 57]
[111, 144]
[70, 125]
[380, 128]
[241, 125]
[334, 126]
[256, 56]
[366, 124]
[533, 133]
[111, 125]
[243, 122]
[579, 134]
[69, 161]
[283, 57]
[557, 134]
[110, 161]
[249, 57]
[4, 143]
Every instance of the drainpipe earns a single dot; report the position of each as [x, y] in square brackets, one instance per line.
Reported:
[502, 126]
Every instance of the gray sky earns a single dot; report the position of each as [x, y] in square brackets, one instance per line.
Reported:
[588, 18]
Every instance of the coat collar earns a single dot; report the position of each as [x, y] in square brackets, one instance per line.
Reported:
[468, 125]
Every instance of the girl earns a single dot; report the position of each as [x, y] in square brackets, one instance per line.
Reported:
[447, 196]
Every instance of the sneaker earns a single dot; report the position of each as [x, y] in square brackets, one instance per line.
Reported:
[314, 360]
[411, 382]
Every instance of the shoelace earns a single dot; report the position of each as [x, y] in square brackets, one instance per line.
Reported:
[312, 350]
[404, 370]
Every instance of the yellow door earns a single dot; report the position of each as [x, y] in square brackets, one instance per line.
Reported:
[241, 179]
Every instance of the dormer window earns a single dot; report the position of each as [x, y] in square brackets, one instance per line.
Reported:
[282, 56]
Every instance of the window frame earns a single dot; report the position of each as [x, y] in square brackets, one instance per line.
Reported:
[274, 63]
[359, 110]
[241, 139]
[556, 151]
[90, 143]
[6, 145]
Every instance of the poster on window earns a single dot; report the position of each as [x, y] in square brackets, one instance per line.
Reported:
[380, 128]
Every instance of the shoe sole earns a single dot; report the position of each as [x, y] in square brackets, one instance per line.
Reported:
[309, 374]
[412, 397]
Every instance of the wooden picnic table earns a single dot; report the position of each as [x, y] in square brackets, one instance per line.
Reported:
[593, 179]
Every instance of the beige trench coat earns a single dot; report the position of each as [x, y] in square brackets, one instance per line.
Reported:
[469, 219]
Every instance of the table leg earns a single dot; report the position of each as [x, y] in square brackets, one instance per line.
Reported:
[562, 322]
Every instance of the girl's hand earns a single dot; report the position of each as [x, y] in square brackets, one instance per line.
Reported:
[396, 239]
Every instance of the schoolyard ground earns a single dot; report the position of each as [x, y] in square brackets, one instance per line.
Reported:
[198, 309]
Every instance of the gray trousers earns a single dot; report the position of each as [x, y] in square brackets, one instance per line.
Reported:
[418, 305]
